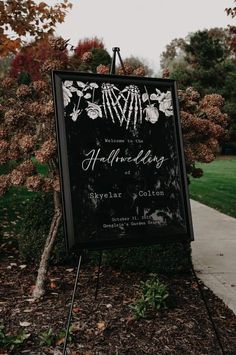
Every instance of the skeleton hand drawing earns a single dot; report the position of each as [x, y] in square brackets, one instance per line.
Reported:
[112, 103]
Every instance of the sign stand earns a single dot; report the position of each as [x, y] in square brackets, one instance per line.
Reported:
[116, 51]
[72, 304]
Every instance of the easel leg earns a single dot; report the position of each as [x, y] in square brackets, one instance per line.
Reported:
[98, 274]
[71, 305]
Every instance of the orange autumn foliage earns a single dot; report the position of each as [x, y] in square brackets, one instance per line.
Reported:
[19, 19]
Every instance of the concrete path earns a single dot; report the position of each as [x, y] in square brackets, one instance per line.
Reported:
[214, 251]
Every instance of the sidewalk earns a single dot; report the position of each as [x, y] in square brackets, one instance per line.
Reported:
[214, 251]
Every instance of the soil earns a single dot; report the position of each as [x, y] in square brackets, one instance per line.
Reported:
[106, 325]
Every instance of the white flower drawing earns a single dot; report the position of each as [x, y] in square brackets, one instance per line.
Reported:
[93, 110]
[74, 115]
[165, 104]
[152, 113]
[67, 92]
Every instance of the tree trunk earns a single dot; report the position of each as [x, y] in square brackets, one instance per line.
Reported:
[43, 266]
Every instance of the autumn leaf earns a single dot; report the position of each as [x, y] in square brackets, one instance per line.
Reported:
[101, 325]
[60, 341]
[53, 285]
[25, 324]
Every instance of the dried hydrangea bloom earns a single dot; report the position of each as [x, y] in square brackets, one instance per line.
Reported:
[34, 183]
[35, 107]
[10, 116]
[189, 155]
[52, 64]
[26, 143]
[47, 185]
[3, 158]
[86, 57]
[8, 82]
[203, 153]
[192, 94]
[212, 100]
[165, 73]
[128, 69]
[23, 91]
[48, 108]
[4, 145]
[3, 133]
[39, 86]
[213, 144]
[103, 69]
[27, 167]
[17, 177]
[139, 71]
[4, 184]
[11, 101]
[46, 152]
[13, 152]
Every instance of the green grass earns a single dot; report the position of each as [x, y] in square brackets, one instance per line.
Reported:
[217, 187]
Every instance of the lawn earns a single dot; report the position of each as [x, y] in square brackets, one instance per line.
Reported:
[217, 187]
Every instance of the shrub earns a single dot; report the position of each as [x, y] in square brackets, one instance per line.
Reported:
[164, 258]
[153, 298]
[34, 230]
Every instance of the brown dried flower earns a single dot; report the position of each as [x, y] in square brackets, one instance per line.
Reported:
[212, 100]
[10, 116]
[23, 91]
[4, 145]
[52, 64]
[39, 86]
[8, 82]
[86, 57]
[48, 108]
[47, 185]
[34, 183]
[46, 152]
[103, 69]
[27, 167]
[27, 142]
[165, 73]
[128, 69]
[3, 133]
[13, 152]
[140, 71]
[16, 177]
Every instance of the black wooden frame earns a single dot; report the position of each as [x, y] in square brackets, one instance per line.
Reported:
[57, 78]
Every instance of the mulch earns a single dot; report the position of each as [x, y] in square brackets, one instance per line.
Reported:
[106, 325]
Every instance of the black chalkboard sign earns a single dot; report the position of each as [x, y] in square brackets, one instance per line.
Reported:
[121, 160]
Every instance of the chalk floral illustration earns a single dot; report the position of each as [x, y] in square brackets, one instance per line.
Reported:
[123, 106]
[94, 110]
[74, 115]
[152, 113]
[165, 102]
[67, 92]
